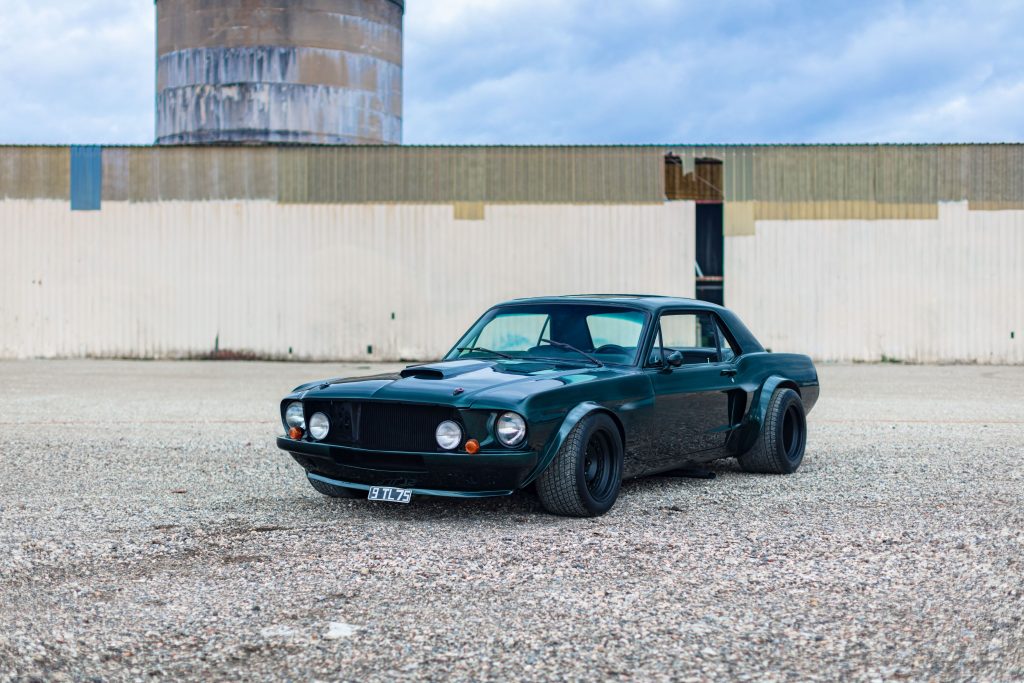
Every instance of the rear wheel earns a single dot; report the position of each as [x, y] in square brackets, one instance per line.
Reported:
[780, 447]
[332, 491]
[584, 478]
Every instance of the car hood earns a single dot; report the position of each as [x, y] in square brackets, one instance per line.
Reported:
[462, 383]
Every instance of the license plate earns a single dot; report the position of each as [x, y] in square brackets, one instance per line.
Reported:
[390, 495]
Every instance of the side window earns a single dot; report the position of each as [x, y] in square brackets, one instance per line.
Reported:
[518, 332]
[692, 334]
[729, 350]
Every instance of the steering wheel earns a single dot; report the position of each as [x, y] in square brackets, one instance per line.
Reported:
[610, 348]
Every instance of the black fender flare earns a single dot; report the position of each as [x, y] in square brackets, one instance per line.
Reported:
[572, 418]
[747, 434]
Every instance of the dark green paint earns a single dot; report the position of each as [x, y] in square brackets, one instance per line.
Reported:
[668, 417]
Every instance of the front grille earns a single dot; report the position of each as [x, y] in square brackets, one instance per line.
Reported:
[396, 427]
[382, 426]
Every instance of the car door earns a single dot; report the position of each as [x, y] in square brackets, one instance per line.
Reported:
[691, 384]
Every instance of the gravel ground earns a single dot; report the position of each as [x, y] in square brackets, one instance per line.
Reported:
[150, 528]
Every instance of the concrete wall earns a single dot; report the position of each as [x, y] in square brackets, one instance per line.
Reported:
[944, 290]
[300, 71]
[167, 279]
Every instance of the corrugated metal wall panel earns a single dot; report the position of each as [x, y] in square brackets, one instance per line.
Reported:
[168, 278]
[491, 174]
[884, 174]
[146, 174]
[35, 172]
[705, 182]
[117, 173]
[939, 290]
[915, 174]
[86, 177]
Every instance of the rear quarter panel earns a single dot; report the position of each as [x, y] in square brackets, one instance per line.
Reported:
[758, 376]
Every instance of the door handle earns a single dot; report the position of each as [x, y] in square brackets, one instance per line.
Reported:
[728, 373]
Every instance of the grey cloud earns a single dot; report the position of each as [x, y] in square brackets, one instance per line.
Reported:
[600, 71]
[720, 72]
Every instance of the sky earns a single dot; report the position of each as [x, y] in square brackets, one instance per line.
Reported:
[585, 71]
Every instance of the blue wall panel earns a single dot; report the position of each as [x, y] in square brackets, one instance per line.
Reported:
[86, 177]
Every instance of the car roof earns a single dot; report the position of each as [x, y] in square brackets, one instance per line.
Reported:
[655, 304]
[649, 302]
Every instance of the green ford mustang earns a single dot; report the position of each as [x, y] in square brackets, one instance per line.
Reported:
[570, 395]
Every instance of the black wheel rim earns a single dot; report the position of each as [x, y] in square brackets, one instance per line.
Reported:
[792, 433]
[599, 465]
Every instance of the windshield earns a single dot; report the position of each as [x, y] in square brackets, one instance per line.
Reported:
[555, 331]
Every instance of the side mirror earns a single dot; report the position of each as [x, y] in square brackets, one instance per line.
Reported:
[674, 359]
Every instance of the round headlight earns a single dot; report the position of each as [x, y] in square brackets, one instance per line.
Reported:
[319, 425]
[510, 429]
[449, 435]
[293, 416]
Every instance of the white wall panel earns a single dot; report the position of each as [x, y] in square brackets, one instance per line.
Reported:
[168, 278]
[943, 290]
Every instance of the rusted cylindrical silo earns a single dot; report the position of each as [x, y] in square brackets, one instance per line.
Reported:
[308, 71]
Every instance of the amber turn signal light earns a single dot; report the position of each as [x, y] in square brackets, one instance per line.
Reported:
[472, 446]
[295, 433]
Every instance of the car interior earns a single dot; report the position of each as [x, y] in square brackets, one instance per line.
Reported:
[694, 336]
[594, 334]
[608, 335]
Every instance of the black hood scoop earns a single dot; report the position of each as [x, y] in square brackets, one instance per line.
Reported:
[444, 370]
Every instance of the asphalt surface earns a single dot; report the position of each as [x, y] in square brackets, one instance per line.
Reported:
[150, 528]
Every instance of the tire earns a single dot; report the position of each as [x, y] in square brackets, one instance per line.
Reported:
[585, 476]
[332, 491]
[779, 448]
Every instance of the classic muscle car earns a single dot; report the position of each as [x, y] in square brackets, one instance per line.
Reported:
[569, 395]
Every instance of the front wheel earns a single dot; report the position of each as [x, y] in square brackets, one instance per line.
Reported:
[779, 448]
[584, 478]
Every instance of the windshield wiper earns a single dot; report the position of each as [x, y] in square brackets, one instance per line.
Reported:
[481, 349]
[570, 347]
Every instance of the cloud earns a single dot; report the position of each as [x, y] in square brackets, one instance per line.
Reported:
[577, 72]
[704, 72]
[76, 71]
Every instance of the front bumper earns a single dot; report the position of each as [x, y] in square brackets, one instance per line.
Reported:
[436, 474]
